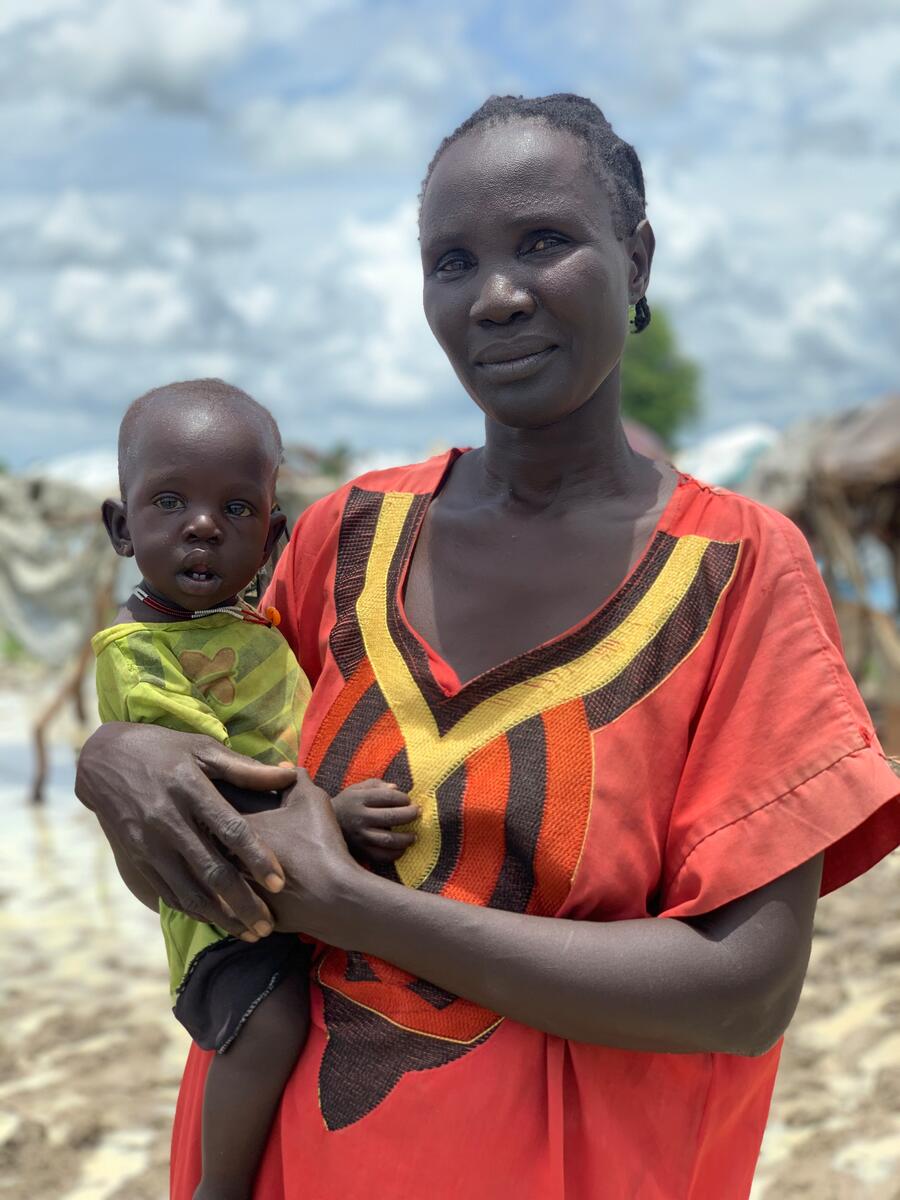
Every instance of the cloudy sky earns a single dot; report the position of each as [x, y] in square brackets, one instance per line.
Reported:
[227, 187]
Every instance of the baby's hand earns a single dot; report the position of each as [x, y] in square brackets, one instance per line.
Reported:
[367, 813]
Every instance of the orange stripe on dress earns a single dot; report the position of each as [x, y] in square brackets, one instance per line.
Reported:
[483, 846]
[391, 996]
[379, 747]
[344, 703]
[567, 805]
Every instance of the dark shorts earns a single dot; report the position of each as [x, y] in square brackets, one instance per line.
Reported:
[229, 979]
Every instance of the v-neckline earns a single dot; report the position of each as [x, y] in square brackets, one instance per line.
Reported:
[445, 678]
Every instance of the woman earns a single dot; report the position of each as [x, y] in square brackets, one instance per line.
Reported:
[615, 694]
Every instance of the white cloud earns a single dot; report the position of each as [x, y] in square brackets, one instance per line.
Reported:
[255, 304]
[147, 307]
[163, 50]
[328, 331]
[213, 224]
[797, 25]
[397, 86]
[7, 308]
[209, 364]
[321, 133]
[829, 309]
[772, 277]
[395, 361]
[72, 230]
[18, 13]
[288, 22]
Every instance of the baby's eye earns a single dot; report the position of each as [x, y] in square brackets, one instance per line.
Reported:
[238, 508]
[169, 503]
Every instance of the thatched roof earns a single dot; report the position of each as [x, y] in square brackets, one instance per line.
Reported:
[856, 452]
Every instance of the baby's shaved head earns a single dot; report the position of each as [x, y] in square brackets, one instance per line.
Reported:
[210, 401]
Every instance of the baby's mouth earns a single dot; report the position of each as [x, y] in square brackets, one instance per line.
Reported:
[198, 578]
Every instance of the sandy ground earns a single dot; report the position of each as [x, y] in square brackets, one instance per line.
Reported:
[90, 1056]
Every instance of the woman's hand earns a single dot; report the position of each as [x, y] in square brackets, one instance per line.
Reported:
[151, 789]
[321, 877]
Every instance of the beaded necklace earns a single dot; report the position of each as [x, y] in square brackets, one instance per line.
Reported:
[242, 611]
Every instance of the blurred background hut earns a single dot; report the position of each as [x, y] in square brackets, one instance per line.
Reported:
[838, 478]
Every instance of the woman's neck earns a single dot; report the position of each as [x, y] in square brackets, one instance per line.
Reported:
[584, 456]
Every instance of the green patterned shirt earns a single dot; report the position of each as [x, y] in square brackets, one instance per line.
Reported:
[234, 680]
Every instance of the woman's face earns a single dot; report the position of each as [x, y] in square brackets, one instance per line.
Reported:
[527, 286]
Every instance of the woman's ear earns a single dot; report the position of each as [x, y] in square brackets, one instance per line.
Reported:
[277, 526]
[116, 522]
[643, 243]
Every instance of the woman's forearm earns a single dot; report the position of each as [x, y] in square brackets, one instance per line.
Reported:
[652, 984]
[726, 982]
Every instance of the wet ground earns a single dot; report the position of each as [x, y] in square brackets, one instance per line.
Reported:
[90, 1055]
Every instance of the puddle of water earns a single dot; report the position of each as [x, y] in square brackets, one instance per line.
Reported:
[121, 1157]
[90, 1054]
[872, 1160]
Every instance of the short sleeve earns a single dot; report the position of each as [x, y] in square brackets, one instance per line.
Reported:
[302, 583]
[783, 762]
[125, 694]
[151, 705]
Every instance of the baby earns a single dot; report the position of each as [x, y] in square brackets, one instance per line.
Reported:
[197, 470]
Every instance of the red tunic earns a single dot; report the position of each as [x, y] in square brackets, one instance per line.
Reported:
[693, 739]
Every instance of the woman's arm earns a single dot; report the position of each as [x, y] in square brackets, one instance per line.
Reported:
[151, 789]
[729, 983]
[726, 982]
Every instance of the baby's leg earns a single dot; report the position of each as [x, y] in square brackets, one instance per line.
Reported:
[244, 1087]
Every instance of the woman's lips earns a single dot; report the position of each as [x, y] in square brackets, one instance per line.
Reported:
[516, 368]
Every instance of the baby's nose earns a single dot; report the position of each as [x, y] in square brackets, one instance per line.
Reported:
[203, 526]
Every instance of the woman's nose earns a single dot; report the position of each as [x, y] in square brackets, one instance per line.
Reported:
[501, 299]
[202, 526]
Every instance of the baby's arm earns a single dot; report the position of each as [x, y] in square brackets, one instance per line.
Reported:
[368, 814]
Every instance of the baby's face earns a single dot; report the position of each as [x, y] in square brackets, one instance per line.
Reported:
[200, 494]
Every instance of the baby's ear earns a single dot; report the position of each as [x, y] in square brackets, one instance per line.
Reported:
[277, 526]
[116, 522]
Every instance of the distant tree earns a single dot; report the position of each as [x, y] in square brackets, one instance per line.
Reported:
[659, 385]
[336, 460]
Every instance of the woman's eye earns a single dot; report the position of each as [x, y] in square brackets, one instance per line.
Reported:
[238, 508]
[547, 241]
[451, 264]
[168, 503]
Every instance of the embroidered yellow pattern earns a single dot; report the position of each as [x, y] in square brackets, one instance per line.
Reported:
[433, 756]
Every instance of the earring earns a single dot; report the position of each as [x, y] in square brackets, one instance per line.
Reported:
[641, 315]
[632, 310]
